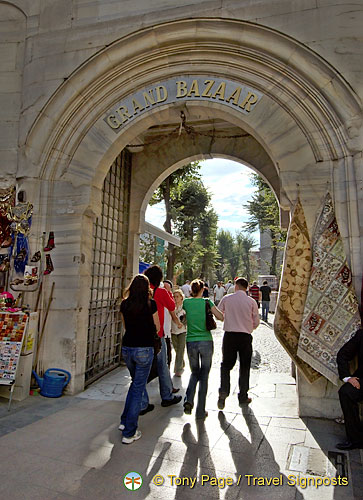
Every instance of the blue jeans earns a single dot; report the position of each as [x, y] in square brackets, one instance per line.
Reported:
[265, 309]
[165, 383]
[200, 355]
[138, 361]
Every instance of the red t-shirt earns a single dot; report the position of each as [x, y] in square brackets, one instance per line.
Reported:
[163, 298]
[254, 292]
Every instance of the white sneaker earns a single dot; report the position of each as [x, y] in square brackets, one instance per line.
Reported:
[121, 427]
[129, 440]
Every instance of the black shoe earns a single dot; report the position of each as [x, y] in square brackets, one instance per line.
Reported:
[220, 403]
[202, 417]
[169, 402]
[147, 409]
[175, 390]
[348, 445]
[188, 408]
[246, 401]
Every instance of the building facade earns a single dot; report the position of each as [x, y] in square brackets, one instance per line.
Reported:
[102, 99]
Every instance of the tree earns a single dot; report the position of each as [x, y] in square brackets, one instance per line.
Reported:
[245, 243]
[225, 246]
[166, 192]
[189, 205]
[206, 249]
[265, 215]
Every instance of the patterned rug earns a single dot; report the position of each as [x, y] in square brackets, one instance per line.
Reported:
[331, 314]
[293, 290]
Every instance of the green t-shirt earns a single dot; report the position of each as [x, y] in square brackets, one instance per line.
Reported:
[196, 327]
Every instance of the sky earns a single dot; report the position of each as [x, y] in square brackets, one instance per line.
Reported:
[230, 187]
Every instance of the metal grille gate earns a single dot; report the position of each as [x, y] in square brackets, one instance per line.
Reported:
[110, 241]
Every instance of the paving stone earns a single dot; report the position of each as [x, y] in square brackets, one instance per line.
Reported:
[288, 423]
[21, 490]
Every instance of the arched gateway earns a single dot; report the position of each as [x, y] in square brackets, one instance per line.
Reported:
[243, 91]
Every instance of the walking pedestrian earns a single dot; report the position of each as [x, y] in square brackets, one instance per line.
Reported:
[186, 288]
[218, 292]
[240, 319]
[163, 299]
[199, 347]
[254, 292]
[265, 291]
[141, 320]
[178, 335]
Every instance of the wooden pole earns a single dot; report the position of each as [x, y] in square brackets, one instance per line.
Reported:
[41, 334]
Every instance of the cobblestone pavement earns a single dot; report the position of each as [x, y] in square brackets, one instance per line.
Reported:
[268, 354]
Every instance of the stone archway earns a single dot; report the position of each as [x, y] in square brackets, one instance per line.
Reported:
[306, 122]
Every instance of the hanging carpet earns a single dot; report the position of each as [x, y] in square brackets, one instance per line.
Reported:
[293, 290]
[331, 315]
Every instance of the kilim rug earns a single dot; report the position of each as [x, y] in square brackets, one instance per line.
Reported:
[293, 290]
[331, 314]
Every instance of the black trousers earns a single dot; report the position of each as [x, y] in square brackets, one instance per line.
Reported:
[349, 398]
[233, 343]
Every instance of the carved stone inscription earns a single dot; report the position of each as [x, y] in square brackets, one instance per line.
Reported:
[180, 88]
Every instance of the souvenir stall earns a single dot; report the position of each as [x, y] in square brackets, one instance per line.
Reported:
[20, 273]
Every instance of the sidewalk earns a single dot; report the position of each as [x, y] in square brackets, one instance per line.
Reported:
[70, 448]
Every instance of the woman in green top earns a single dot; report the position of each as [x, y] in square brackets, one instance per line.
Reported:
[199, 347]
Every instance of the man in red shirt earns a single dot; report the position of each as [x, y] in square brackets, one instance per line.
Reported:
[254, 292]
[163, 299]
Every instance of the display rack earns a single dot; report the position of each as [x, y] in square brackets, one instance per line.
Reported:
[12, 334]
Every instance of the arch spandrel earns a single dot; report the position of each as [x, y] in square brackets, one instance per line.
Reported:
[251, 53]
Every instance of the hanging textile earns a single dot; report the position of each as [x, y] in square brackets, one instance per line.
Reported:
[7, 200]
[293, 289]
[331, 315]
[21, 219]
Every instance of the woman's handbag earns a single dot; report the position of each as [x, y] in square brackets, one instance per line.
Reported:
[209, 318]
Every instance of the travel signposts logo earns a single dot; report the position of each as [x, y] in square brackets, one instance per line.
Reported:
[132, 481]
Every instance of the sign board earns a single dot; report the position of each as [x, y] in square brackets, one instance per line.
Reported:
[31, 333]
[205, 88]
[12, 333]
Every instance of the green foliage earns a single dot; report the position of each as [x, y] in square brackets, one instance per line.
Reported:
[265, 214]
[205, 258]
[225, 246]
[189, 215]
[235, 257]
[248, 264]
[189, 208]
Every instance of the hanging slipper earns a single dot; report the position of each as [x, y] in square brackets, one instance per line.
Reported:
[31, 280]
[5, 264]
[7, 242]
[17, 281]
[49, 265]
[37, 256]
[21, 256]
[50, 245]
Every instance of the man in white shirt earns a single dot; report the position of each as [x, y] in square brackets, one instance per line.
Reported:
[240, 319]
[218, 292]
[186, 289]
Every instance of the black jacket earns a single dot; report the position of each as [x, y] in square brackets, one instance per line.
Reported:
[354, 347]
